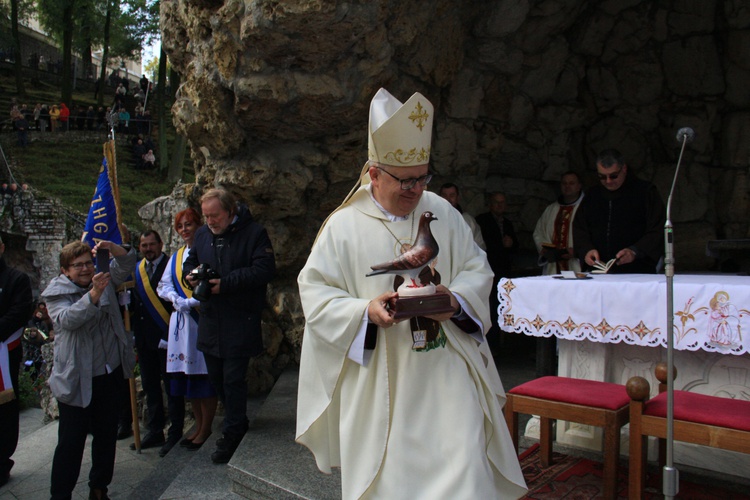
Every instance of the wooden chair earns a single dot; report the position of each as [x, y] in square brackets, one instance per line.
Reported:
[699, 419]
[589, 402]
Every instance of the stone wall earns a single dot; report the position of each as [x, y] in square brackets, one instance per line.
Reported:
[35, 230]
[275, 97]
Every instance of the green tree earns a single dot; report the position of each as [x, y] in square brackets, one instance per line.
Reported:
[105, 51]
[127, 26]
[57, 17]
[152, 69]
[14, 11]
[90, 17]
[161, 102]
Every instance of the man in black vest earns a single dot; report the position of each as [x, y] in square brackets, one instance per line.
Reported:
[622, 218]
[150, 328]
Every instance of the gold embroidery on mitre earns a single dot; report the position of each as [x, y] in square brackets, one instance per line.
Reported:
[401, 156]
[419, 116]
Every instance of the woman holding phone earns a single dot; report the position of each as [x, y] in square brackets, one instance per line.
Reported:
[93, 356]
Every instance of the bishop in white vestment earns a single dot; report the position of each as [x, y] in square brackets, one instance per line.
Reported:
[407, 408]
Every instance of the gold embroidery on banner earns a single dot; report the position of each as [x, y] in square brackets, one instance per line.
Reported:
[509, 286]
[401, 156]
[419, 116]
[508, 320]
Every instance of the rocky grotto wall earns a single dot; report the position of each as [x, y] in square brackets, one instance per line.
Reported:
[275, 97]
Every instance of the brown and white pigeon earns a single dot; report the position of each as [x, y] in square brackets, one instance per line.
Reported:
[411, 262]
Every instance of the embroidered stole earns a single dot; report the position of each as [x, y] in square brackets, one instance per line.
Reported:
[562, 230]
[150, 300]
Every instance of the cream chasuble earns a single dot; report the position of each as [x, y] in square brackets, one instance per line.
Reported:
[408, 424]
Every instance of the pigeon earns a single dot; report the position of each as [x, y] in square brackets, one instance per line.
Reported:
[410, 263]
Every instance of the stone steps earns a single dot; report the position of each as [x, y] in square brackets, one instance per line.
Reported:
[269, 464]
[191, 474]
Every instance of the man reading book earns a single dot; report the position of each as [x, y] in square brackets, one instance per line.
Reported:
[621, 218]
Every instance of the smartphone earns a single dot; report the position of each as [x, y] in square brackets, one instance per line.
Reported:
[102, 260]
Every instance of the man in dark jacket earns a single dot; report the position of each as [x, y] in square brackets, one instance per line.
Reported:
[620, 219]
[500, 238]
[150, 328]
[16, 306]
[229, 329]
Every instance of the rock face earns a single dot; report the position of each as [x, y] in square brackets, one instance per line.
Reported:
[275, 98]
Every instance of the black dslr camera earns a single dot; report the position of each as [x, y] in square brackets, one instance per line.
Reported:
[202, 274]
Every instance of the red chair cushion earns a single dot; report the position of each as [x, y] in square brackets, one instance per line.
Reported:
[703, 409]
[576, 391]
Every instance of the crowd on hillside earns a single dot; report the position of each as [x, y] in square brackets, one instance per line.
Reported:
[61, 118]
[58, 117]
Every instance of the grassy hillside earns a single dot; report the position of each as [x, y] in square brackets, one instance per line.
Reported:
[68, 170]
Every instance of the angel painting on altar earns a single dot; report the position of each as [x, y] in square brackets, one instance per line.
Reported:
[724, 322]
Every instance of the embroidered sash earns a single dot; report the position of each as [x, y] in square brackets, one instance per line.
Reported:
[149, 298]
[6, 384]
[562, 230]
[181, 288]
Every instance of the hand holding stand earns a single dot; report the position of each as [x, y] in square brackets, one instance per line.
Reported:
[671, 476]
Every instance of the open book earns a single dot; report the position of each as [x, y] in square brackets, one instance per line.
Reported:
[602, 268]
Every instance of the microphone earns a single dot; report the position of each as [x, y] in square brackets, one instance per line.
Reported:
[670, 475]
[685, 134]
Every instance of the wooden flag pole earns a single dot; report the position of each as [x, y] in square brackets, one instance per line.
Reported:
[133, 402]
[110, 155]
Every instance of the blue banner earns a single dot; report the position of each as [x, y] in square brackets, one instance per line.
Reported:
[102, 222]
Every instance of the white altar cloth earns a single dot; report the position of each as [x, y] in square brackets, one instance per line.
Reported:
[711, 312]
[612, 327]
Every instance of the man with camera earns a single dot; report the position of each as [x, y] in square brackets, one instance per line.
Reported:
[229, 267]
[150, 328]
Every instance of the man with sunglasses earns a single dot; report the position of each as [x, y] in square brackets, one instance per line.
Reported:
[383, 397]
[621, 218]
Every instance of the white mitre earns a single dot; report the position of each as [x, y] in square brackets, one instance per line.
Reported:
[400, 135]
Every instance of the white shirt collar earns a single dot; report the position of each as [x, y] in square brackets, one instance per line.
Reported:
[388, 215]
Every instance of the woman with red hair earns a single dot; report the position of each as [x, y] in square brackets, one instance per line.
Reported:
[183, 357]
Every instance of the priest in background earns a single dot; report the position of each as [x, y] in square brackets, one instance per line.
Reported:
[553, 234]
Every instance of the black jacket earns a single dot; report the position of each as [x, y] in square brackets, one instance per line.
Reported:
[499, 256]
[229, 324]
[16, 301]
[146, 331]
[630, 217]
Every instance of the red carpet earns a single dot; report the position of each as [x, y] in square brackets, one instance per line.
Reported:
[577, 478]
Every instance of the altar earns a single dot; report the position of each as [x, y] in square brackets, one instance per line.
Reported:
[612, 327]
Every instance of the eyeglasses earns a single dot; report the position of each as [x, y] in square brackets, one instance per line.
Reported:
[407, 184]
[80, 265]
[612, 176]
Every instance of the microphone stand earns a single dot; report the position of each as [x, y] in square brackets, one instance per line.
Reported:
[670, 475]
